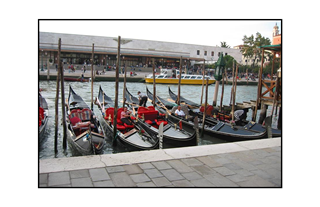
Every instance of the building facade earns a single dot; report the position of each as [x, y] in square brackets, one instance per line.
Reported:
[77, 49]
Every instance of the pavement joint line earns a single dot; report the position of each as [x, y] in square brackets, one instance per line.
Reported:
[90, 162]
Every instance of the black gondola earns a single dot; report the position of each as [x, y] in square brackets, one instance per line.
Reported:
[85, 135]
[150, 119]
[251, 126]
[219, 130]
[43, 116]
[130, 135]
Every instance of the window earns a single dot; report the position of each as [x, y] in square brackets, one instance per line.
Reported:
[198, 52]
[187, 77]
[212, 53]
[199, 77]
[193, 77]
[225, 54]
[205, 53]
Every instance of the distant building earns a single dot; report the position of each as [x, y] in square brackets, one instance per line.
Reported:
[276, 37]
[77, 49]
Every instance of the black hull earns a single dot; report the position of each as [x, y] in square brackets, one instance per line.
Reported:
[171, 140]
[251, 126]
[42, 130]
[228, 134]
[79, 144]
[170, 136]
[79, 148]
[109, 130]
[131, 146]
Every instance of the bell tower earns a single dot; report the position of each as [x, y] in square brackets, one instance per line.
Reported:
[275, 30]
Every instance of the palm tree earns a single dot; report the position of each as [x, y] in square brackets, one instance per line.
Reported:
[224, 44]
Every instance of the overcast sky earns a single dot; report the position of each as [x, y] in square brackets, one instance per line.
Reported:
[205, 32]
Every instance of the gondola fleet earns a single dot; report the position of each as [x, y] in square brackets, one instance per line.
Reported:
[87, 132]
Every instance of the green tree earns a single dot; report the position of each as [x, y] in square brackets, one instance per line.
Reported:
[251, 46]
[229, 61]
[224, 44]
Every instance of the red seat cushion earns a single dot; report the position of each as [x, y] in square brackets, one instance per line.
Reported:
[148, 122]
[75, 120]
[128, 126]
[41, 113]
[120, 127]
[161, 121]
[119, 116]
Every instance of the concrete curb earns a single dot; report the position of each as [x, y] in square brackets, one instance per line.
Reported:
[107, 160]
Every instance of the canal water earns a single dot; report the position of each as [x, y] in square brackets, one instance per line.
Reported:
[191, 92]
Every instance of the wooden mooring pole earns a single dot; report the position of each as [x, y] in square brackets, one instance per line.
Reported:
[48, 71]
[205, 107]
[179, 85]
[222, 91]
[116, 95]
[63, 107]
[154, 83]
[56, 118]
[232, 88]
[124, 84]
[92, 78]
[202, 82]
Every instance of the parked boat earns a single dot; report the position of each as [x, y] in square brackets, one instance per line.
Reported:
[43, 116]
[131, 135]
[218, 129]
[72, 79]
[251, 126]
[169, 76]
[150, 119]
[85, 134]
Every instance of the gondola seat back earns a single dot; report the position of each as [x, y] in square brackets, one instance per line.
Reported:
[85, 114]
[208, 110]
[149, 113]
[75, 113]
[109, 112]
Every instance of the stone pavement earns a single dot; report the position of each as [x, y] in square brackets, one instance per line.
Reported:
[239, 164]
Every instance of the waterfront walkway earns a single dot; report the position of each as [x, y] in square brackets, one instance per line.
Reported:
[238, 164]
